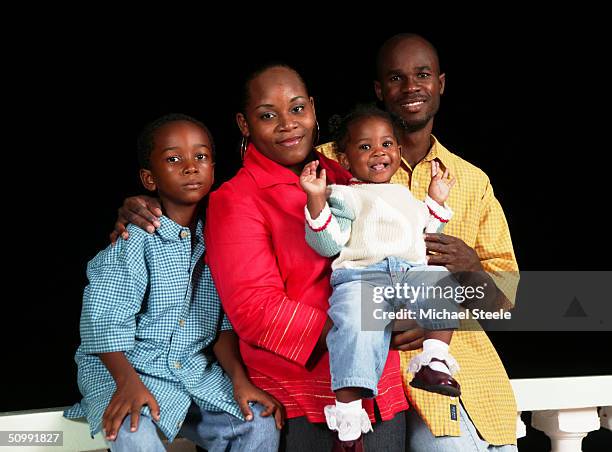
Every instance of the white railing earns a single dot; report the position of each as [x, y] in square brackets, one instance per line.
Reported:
[76, 437]
[565, 409]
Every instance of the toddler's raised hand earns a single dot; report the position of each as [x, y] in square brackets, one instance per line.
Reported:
[440, 185]
[310, 183]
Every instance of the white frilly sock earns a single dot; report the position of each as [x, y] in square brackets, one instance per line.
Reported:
[348, 419]
[434, 348]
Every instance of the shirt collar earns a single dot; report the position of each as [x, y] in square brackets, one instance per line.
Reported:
[171, 231]
[436, 151]
[267, 172]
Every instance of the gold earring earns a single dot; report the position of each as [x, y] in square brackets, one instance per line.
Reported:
[244, 143]
[315, 141]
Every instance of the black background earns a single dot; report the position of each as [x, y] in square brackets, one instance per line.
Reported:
[520, 103]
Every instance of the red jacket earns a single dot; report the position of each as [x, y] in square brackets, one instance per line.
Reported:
[275, 289]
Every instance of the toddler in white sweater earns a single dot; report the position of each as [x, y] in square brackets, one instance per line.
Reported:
[375, 228]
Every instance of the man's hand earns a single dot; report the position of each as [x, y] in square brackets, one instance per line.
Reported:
[130, 396]
[452, 253]
[143, 211]
[411, 339]
[464, 263]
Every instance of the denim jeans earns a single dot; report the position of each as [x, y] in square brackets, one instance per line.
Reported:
[357, 356]
[214, 431]
[420, 438]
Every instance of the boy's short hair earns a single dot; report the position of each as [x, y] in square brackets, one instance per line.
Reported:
[146, 143]
[339, 125]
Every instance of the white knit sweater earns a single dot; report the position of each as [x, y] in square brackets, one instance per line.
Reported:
[366, 223]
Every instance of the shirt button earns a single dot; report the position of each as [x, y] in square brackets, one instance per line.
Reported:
[184, 234]
[179, 424]
[177, 365]
[181, 322]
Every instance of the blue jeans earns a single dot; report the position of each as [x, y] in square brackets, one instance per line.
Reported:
[357, 356]
[420, 438]
[214, 431]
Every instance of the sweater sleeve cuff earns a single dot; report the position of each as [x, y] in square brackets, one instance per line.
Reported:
[441, 212]
[321, 222]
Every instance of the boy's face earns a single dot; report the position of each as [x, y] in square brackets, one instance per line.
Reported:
[182, 167]
[371, 153]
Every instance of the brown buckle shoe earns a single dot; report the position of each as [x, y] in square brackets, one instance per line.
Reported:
[348, 446]
[434, 381]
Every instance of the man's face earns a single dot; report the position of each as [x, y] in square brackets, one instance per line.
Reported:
[410, 83]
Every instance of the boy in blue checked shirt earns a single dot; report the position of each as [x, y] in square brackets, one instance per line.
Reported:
[151, 321]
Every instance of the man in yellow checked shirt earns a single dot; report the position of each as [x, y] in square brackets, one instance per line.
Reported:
[477, 238]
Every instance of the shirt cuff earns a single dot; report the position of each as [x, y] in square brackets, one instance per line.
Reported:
[441, 212]
[296, 330]
[108, 344]
[321, 222]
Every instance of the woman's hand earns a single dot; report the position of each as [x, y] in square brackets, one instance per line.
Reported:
[143, 211]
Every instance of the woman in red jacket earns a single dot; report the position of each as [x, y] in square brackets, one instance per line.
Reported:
[274, 288]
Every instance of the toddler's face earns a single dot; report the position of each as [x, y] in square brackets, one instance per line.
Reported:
[372, 153]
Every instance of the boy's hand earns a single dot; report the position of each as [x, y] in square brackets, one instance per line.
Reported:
[440, 185]
[143, 211]
[245, 392]
[129, 398]
[311, 184]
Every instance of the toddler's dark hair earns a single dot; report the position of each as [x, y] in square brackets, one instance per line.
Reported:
[146, 140]
[339, 125]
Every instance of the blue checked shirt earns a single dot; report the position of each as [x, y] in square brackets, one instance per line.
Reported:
[153, 298]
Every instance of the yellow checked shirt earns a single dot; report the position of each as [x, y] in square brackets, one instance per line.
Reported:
[479, 221]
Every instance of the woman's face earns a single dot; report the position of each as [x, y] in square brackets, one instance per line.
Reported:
[280, 117]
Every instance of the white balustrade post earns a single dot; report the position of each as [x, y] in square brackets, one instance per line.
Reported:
[566, 428]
